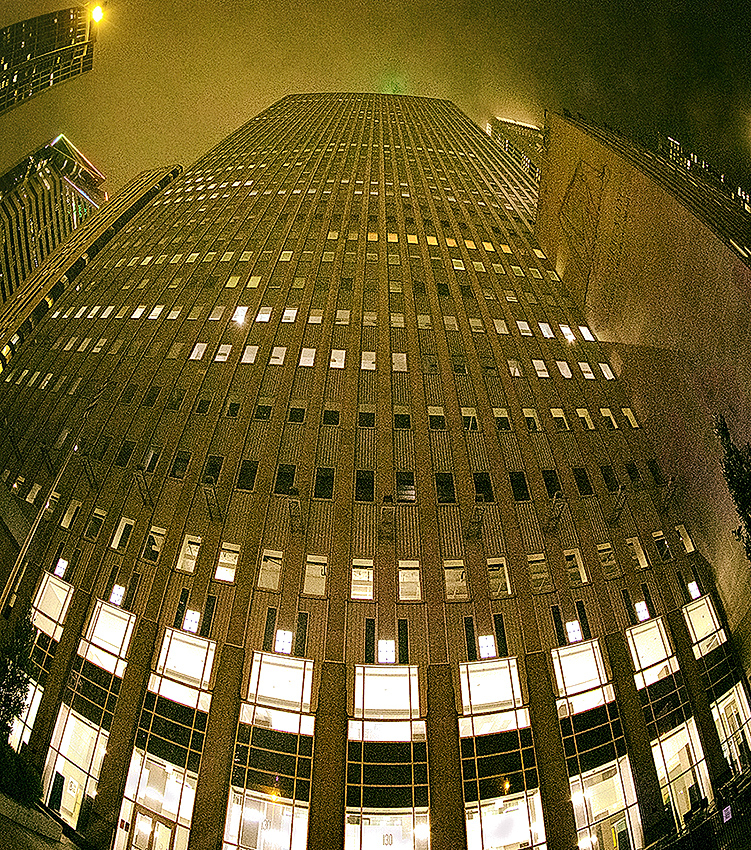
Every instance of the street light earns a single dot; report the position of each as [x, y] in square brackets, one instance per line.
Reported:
[97, 14]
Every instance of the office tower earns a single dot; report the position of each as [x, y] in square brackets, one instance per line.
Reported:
[524, 143]
[43, 199]
[44, 51]
[349, 535]
[661, 260]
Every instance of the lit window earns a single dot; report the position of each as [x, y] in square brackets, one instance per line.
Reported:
[369, 319]
[586, 370]
[186, 561]
[575, 566]
[154, 543]
[386, 651]
[117, 594]
[222, 354]
[122, 533]
[264, 314]
[455, 579]
[567, 333]
[451, 323]
[315, 575]
[642, 611]
[190, 621]
[586, 333]
[399, 362]
[249, 354]
[607, 372]
[409, 581]
[457, 264]
[469, 418]
[498, 579]
[368, 360]
[307, 357]
[559, 419]
[342, 317]
[253, 281]
[270, 571]
[476, 326]
[216, 314]
[573, 631]
[628, 413]
[524, 328]
[487, 646]
[515, 368]
[546, 330]
[563, 368]
[539, 573]
[397, 320]
[500, 326]
[283, 642]
[289, 314]
[661, 544]
[424, 322]
[688, 544]
[139, 311]
[541, 368]
[586, 419]
[278, 353]
[362, 578]
[199, 349]
[337, 358]
[285, 256]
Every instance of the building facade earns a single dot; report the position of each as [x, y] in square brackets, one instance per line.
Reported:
[43, 199]
[524, 143]
[347, 534]
[44, 51]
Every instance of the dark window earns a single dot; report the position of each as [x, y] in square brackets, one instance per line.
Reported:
[582, 481]
[629, 606]
[268, 632]
[437, 422]
[519, 486]
[99, 449]
[151, 396]
[469, 638]
[208, 616]
[469, 423]
[296, 414]
[176, 399]
[124, 455]
[403, 641]
[330, 417]
[402, 420]
[560, 632]
[366, 419]
[483, 487]
[552, 482]
[459, 366]
[405, 486]
[364, 485]
[246, 478]
[128, 394]
[233, 409]
[663, 549]
[181, 606]
[152, 458]
[324, 485]
[581, 613]
[180, 465]
[369, 640]
[95, 526]
[301, 634]
[443, 288]
[203, 405]
[263, 411]
[285, 479]
[502, 422]
[212, 469]
[500, 635]
[608, 476]
[633, 474]
[531, 423]
[130, 593]
[657, 475]
[444, 485]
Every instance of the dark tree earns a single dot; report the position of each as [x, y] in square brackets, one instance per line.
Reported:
[736, 467]
[15, 669]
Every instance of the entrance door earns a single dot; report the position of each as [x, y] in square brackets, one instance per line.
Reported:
[150, 832]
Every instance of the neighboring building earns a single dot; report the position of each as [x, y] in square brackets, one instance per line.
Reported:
[524, 143]
[43, 52]
[349, 534]
[43, 199]
[662, 262]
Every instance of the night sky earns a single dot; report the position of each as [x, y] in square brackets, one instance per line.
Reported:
[172, 78]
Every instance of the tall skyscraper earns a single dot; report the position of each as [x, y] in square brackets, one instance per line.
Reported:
[524, 143]
[44, 51]
[43, 199]
[349, 535]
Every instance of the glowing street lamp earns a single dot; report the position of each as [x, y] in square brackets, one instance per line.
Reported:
[97, 14]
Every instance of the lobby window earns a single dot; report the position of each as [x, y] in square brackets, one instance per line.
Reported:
[444, 485]
[285, 479]
[186, 561]
[362, 578]
[409, 581]
[519, 487]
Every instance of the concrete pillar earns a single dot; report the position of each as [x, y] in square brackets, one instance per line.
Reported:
[448, 829]
[326, 817]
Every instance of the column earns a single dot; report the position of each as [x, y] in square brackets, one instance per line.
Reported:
[326, 817]
[555, 790]
[210, 807]
[102, 818]
[655, 820]
[448, 828]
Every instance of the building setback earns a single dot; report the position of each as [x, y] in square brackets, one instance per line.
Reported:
[44, 51]
[43, 199]
[349, 534]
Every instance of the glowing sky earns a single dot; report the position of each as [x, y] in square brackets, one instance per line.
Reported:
[173, 77]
